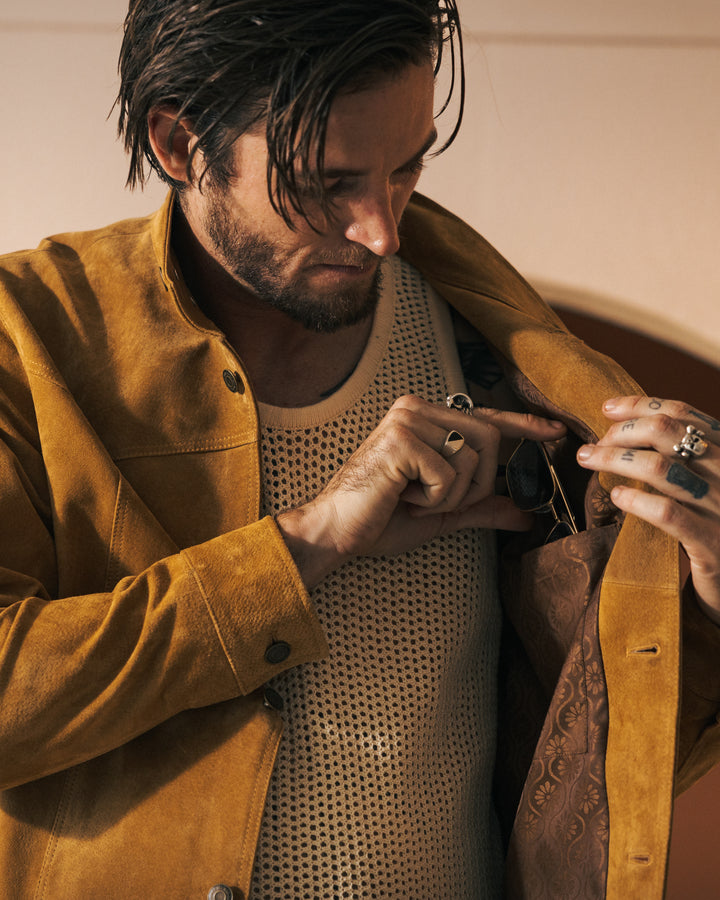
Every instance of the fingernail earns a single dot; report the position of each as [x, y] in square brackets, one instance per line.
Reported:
[610, 405]
[584, 452]
[553, 423]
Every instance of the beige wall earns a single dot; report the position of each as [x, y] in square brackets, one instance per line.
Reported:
[589, 154]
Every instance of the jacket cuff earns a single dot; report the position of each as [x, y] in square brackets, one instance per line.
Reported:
[260, 608]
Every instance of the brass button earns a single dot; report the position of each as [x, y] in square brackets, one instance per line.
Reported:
[220, 892]
[233, 382]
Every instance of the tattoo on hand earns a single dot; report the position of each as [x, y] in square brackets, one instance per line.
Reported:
[712, 423]
[688, 481]
[629, 425]
[628, 456]
[655, 403]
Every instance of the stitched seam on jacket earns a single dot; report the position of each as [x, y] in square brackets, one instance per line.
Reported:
[226, 443]
[216, 626]
[62, 810]
[233, 440]
[266, 766]
[117, 537]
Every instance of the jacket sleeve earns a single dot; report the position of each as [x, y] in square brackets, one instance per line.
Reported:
[81, 675]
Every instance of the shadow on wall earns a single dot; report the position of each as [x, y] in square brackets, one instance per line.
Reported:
[670, 373]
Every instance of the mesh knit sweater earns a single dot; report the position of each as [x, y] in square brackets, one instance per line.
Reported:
[382, 786]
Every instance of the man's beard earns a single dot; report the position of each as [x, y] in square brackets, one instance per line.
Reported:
[256, 262]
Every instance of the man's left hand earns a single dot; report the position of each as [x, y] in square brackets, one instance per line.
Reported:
[641, 445]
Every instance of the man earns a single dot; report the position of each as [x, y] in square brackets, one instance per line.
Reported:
[230, 479]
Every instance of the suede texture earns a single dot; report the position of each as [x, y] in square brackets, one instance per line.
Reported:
[136, 744]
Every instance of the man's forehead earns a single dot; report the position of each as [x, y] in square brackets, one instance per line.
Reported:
[334, 171]
[394, 115]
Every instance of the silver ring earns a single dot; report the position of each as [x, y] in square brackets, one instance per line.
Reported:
[453, 443]
[461, 402]
[692, 443]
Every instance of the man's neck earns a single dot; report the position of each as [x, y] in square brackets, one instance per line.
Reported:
[288, 364]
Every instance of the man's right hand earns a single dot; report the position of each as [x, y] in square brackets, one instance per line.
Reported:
[398, 491]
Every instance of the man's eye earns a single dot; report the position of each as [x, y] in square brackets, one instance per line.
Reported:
[338, 187]
[414, 168]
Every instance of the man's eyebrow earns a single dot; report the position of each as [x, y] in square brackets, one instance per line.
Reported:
[415, 158]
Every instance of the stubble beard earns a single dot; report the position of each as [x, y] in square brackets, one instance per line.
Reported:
[257, 263]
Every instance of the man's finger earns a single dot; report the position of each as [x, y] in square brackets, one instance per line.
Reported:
[520, 425]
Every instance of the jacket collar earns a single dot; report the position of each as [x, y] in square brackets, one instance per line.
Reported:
[560, 373]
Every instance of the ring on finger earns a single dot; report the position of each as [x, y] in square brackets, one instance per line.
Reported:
[460, 402]
[453, 443]
[691, 443]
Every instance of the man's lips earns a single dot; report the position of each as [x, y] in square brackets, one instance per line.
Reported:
[340, 259]
[344, 269]
[348, 269]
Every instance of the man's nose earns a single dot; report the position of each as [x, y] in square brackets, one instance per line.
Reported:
[374, 223]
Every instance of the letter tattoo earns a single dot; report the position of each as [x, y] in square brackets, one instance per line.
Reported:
[712, 423]
[655, 403]
[629, 425]
[687, 480]
[628, 456]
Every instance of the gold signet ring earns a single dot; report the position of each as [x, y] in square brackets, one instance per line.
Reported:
[453, 443]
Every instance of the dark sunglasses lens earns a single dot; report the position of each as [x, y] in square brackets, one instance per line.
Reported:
[528, 477]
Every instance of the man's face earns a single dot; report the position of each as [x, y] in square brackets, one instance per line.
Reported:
[376, 140]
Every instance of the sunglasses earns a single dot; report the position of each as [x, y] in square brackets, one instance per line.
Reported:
[534, 486]
[531, 479]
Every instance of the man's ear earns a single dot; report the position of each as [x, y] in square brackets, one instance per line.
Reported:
[172, 141]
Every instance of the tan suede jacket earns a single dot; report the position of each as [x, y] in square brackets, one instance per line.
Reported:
[142, 600]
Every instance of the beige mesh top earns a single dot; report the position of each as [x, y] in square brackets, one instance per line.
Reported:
[383, 779]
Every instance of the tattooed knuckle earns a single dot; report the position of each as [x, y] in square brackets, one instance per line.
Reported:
[683, 410]
[687, 481]
[707, 421]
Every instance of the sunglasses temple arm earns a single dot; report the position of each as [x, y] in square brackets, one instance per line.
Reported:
[561, 492]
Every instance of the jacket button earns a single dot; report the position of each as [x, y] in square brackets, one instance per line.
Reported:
[272, 699]
[277, 652]
[220, 892]
[233, 382]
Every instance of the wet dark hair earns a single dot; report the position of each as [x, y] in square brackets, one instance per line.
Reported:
[228, 65]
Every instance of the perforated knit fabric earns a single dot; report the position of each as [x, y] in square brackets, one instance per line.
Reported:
[382, 785]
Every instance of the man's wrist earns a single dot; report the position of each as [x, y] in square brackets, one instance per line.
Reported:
[307, 540]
